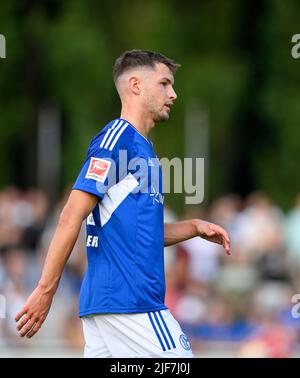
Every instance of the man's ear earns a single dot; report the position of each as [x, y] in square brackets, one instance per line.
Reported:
[135, 85]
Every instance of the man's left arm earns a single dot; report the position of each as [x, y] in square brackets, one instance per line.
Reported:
[180, 231]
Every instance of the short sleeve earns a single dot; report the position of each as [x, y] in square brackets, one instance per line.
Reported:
[99, 172]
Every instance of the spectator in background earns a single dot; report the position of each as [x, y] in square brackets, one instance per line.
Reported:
[38, 203]
[226, 209]
[10, 228]
[22, 218]
[271, 337]
[14, 287]
[292, 240]
[259, 227]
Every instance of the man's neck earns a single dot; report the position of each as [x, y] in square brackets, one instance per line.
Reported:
[138, 121]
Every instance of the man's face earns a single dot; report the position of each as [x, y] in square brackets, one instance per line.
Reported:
[158, 94]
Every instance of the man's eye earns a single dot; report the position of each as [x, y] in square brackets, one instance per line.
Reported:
[164, 83]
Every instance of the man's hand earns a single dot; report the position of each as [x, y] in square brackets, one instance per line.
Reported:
[213, 233]
[34, 312]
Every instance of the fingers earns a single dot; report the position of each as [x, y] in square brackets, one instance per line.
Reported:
[20, 314]
[224, 237]
[226, 243]
[34, 330]
[23, 322]
[227, 246]
[27, 327]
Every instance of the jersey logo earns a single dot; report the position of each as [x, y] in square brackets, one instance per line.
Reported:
[184, 342]
[156, 196]
[90, 220]
[98, 169]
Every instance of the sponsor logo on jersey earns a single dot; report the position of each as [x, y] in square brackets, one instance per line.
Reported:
[98, 169]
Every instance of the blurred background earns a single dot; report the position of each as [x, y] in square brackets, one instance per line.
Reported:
[238, 107]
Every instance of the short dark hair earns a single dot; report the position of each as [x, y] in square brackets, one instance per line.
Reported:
[141, 58]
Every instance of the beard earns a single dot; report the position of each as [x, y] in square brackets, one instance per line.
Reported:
[158, 113]
[161, 116]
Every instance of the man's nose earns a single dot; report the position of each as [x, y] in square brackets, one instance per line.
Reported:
[172, 94]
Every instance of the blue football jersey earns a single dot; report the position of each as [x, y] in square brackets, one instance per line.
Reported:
[125, 231]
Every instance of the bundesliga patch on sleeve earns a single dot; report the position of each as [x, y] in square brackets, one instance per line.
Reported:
[98, 169]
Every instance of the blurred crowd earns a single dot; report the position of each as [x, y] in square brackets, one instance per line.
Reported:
[245, 299]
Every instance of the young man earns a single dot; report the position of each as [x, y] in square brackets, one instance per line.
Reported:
[122, 296]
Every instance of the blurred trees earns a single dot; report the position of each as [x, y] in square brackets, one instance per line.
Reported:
[235, 56]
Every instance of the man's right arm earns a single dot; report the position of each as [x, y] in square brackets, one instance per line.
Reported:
[78, 207]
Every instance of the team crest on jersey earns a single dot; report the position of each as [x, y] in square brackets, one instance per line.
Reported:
[98, 169]
[184, 342]
[90, 220]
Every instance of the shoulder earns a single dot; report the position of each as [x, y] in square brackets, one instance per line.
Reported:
[115, 136]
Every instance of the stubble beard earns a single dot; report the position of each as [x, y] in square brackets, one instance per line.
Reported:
[160, 116]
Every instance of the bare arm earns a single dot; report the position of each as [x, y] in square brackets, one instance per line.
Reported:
[180, 231]
[33, 314]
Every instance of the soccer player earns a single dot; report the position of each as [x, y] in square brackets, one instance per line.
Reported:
[119, 193]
